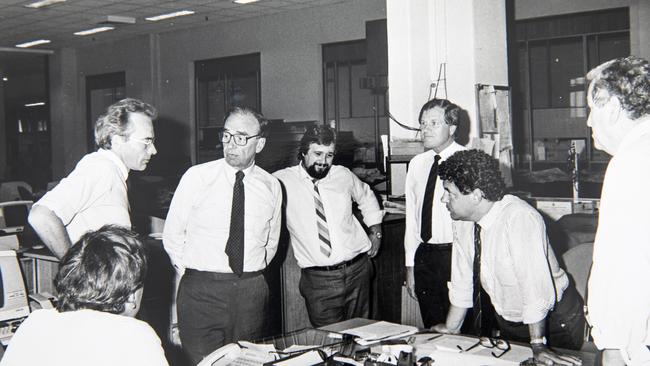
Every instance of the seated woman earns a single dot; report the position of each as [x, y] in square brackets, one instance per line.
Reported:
[99, 287]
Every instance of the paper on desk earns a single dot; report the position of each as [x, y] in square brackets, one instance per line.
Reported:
[446, 346]
[380, 331]
[307, 358]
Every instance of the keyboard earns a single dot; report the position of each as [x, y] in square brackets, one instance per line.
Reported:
[8, 328]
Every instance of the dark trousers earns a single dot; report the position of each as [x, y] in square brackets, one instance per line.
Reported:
[335, 295]
[432, 271]
[219, 308]
[565, 325]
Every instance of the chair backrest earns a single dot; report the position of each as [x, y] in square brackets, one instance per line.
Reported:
[9, 190]
[578, 264]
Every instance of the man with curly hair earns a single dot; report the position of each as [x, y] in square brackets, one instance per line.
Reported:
[501, 247]
[95, 193]
[99, 288]
[619, 297]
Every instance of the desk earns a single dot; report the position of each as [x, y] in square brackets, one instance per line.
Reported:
[588, 358]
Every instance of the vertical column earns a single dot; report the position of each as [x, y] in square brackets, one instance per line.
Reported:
[68, 123]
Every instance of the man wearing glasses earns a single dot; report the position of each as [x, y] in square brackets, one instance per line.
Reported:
[501, 250]
[94, 194]
[221, 232]
[428, 234]
[330, 245]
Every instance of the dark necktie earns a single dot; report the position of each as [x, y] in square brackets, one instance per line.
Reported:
[481, 311]
[235, 244]
[427, 203]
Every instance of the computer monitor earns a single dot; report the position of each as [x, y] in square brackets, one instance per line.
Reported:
[13, 216]
[13, 301]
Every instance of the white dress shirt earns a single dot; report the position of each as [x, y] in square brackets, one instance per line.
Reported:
[337, 190]
[619, 295]
[81, 338]
[515, 261]
[198, 222]
[416, 183]
[92, 195]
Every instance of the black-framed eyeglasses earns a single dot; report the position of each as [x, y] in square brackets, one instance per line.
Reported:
[240, 140]
[487, 342]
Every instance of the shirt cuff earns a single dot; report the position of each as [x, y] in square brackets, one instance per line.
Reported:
[535, 312]
[374, 218]
[461, 298]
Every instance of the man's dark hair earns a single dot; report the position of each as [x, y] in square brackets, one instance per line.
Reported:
[627, 79]
[471, 169]
[246, 111]
[318, 134]
[452, 111]
[116, 120]
[101, 271]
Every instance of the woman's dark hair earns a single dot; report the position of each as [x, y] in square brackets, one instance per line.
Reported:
[101, 271]
[471, 169]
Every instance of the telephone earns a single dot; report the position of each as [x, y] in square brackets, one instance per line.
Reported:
[41, 301]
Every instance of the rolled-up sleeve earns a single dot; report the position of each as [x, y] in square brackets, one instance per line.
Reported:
[411, 234]
[174, 233]
[275, 223]
[365, 198]
[528, 245]
[461, 286]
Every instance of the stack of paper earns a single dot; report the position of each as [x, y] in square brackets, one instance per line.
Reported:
[380, 331]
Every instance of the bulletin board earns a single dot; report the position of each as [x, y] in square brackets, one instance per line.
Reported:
[494, 114]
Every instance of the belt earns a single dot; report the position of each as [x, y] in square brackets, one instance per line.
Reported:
[437, 246]
[220, 275]
[338, 266]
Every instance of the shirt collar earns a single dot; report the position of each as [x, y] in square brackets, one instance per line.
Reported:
[446, 152]
[493, 214]
[124, 171]
[637, 132]
[232, 171]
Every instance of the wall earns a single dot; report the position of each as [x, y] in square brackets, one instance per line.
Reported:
[159, 68]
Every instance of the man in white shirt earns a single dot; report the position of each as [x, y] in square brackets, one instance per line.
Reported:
[221, 232]
[501, 247]
[99, 289]
[330, 245]
[95, 192]
[428, 235]
[619, 297]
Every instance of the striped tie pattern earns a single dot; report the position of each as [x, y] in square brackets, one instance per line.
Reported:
[321, 222]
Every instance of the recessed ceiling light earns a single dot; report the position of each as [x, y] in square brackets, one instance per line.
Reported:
[93, 31]
[42, 3]
[175, 14]
[244, 1]
[34, 104]
[33, 43]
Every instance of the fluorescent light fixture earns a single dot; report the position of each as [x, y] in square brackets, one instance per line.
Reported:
[5, 79]
[93, 31]
[118, 19]
[34, 104]
[175, 14]
[33, 43]
[42, 3]
[245, 1]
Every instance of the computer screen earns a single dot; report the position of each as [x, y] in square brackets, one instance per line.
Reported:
[14, 302]
[13, 216]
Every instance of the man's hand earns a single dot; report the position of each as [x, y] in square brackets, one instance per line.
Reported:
[410, 282]
[375, 242]
[544, 356]
[442, 329]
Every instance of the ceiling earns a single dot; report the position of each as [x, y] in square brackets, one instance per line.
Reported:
[58, 22]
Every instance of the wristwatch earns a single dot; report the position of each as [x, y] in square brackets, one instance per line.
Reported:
[378, 234]
[538, 341]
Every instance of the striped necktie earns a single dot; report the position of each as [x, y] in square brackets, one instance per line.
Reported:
[321, 222]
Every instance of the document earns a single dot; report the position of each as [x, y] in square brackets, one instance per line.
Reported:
[380, 331]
